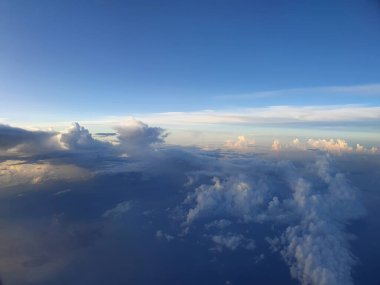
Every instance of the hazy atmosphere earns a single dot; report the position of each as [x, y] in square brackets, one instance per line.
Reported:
[189, 142]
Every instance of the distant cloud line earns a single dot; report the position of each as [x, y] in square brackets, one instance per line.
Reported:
[269, 115]
[358, 90]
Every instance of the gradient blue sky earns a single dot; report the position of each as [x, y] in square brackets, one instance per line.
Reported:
[88, 60]
[114, 56]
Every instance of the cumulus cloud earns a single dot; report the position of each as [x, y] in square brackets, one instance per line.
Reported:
[316, 212]
[276, 146]
[333, 146]
[134, 136]
[232, 242]
[235, 196]
[306, 205]
[241, 143]
[79, 138]
[21, 142]
[74, 146]
[339, 146]
[317, 249]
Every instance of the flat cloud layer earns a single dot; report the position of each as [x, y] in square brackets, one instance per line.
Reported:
[272, 115]
[137, 206]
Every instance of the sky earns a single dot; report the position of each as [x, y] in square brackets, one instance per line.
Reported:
[189, 142]
[87, 60]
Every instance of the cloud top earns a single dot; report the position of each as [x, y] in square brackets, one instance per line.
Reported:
[136, 136]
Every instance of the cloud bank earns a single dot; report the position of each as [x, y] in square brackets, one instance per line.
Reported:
[219, 204]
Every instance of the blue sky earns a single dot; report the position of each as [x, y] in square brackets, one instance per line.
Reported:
[64, 61]
[117, 57]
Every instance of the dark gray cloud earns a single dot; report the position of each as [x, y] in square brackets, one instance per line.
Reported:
[24, 141]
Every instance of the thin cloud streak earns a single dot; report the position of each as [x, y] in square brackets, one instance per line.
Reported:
[279, 114]
[359, 90]
[270, 115]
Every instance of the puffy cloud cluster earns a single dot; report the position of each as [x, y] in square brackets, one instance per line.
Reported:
[317, 248]
[338, 146]
[134, 136]
[241, 143]
[79, 138]
[305, 207]
[331, 145]
[33, 157]
[234, 197]
[314, 242]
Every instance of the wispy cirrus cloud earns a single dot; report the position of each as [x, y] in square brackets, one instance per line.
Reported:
[357, 90]
[270, 115]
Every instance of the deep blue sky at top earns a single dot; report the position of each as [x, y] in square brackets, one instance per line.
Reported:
[114, 57]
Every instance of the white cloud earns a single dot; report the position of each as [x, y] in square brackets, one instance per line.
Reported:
[339, 146]
[333, 146]
[134, 136]
[241, 143]
[235, 196]
[232, 242]
[317, 248]
[119, 210]
[316, 210]
[77, 137]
